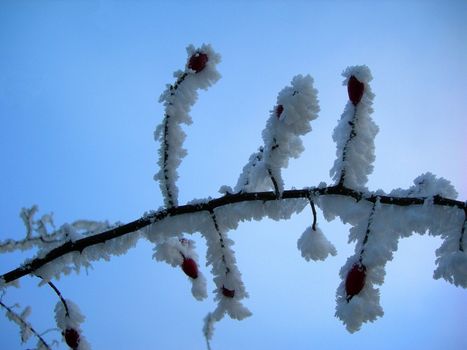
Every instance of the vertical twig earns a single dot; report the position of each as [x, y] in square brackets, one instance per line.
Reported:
[313, 210]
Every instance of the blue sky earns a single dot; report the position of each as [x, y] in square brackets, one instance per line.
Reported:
[79, 84]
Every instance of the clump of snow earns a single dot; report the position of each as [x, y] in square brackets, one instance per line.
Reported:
[225, 190]
[253, 176]
[428, 185]
[74, 261]
[314, 245]
[346, 208]
[452, 267]
[452, 255]
[173, 251]
[70, 317]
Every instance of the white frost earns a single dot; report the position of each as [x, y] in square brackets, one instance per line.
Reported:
[299, 106]
[173, 251]
[314, 245]
[354, 136]
[178, 100]
[71, 320]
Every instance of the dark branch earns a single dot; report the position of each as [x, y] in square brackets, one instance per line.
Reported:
[165, 143]
[313, 210]
[367, 232]
[80, 245]
[221, 239]
[274, 182]
[461, 238]
[65, 305]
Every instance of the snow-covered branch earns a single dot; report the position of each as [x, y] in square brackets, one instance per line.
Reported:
[133, 228]
[200, 73]
[378, 219]
[26, 329]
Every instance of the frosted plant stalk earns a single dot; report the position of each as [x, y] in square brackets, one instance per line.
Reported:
[200, 73]
[297, 105]
[355, 132]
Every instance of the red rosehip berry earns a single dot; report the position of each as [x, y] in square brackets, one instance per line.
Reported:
[190, 268]
[279, 110]
[198, 62]
[355, 90]
[227, 292]
[72, 338]
[355, 280]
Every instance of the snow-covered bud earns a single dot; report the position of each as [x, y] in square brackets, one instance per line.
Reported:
[190, 268]
[355, 280]
[200, 73]
[72, 338]
[355, 132]
[279, 110]
[355, 89]
[181, 252]
[70, 324]
[228, 293]
[198, 61]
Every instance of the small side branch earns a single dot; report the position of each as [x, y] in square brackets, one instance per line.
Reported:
[274, 183]
[65, 305]
[25, 324]
[313, 210]
[461, 238]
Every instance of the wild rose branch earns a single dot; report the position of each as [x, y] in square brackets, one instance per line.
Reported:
[378, 219]
[80, 245]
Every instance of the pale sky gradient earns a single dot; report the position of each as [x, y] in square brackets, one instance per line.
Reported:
[79, 85]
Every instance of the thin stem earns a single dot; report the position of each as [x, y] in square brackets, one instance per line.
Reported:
[26, 324]
[208, 344]
[221, 239]
[274, 182]
[216, 225]
[367, 233]
[313, 210]
[273, 179]
[228, 199]
[165, 142]
[353, 133]
[67, 311]
[461, 238]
